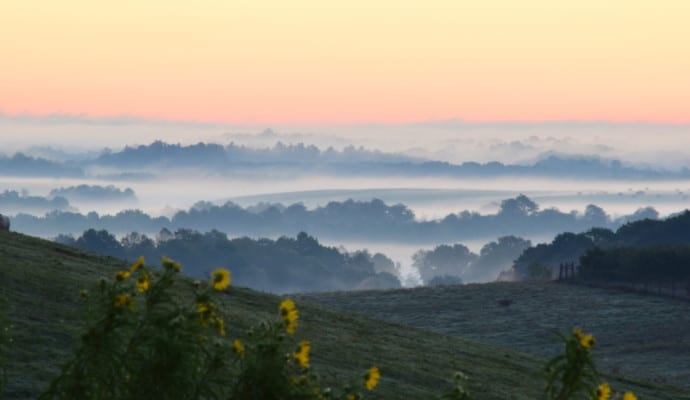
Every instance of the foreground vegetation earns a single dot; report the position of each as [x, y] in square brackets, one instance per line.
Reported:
[142, 341]
[42, 281]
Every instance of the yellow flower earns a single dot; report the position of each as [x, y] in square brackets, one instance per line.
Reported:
[220, 279]
[122, 300]
[372, 378]
[302, 354]
[203, 308]
[629, 396]
[238, 347]
[220, 325]
[138, 264]
[143, 283]
[586, 339]
[603, 391]
[171, 265]
[122, 275]
[290, 315]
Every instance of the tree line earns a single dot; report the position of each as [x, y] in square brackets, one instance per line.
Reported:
[641, 251]
[338, 220]
[660, 265]
[298, 264]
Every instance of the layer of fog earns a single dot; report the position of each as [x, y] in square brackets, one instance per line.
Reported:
[62, 138]
[428, 198]
[644, 144]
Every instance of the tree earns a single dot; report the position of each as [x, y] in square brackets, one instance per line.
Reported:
[443, 260]
[520, 206]
[101, 242]
[495, 257]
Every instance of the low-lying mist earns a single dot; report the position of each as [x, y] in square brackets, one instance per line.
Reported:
[391, 189]
[456, 141]
[428, 198]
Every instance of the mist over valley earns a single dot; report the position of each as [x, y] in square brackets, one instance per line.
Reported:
[350, 198]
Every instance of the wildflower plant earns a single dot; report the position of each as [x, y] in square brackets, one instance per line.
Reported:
[371, 379]
[141, 341]
[144, 340]
[268, 371]
[573, 375]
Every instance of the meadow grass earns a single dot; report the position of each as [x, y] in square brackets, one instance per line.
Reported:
[42, 281]
[639, 335]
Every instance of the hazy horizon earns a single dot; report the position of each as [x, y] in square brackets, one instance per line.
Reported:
[657, 145]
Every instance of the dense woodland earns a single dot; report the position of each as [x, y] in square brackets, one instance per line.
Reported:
[298, 264]
[667, 266]
[641, 251]
[338, 220]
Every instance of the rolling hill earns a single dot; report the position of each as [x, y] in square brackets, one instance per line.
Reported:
[639, 335]
[42, 280]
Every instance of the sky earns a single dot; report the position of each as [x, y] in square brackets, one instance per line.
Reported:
[347, 62]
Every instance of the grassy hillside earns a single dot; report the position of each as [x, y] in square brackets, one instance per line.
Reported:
[638, 335]
[42, 281]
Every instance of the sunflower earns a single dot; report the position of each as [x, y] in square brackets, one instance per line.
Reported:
[629, 396]
[604, 392]
[302, 354]
[238, 347]
[290, 315]
[220, 325]
[202, 308]
[122, 300]
[143, 283]
[586, 339]
[371, 379]
[171, 265]
[220, 279]
[122, 275]
[137, 265]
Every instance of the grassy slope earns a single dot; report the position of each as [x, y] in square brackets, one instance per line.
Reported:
[638, 335]
[42, 280]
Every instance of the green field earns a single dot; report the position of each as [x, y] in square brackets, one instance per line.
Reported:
[639, 335]
[42, 280]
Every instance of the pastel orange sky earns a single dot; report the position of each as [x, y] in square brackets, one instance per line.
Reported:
[302, 61]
